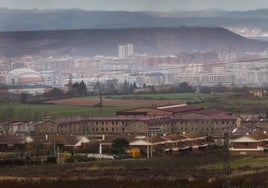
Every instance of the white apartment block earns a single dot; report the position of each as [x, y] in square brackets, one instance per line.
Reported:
[125, 50]
[3, 77]
[240, 73]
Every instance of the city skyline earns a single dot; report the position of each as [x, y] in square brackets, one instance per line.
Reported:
[137, 5]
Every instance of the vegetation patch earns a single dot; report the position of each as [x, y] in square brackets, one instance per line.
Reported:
[240, 163]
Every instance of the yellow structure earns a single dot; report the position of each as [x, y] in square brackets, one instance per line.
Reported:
[135, 152]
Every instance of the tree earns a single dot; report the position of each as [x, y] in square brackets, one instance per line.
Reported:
[119, 145]
[125, 87]
[219, 88]
[98, 87]
[82, 89]
[55, 92]
[184, 87]
[7, 116]
[79, 89]
[134, 85]
[205, 89]
[110, 86]
[24, 97]
[75, 89]
[152, 88]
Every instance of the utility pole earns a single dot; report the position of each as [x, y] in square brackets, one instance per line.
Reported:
[226, 183]
[99, 88]
[100, 93]
[148, 145]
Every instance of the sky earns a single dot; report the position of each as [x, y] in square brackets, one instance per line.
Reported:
[136, 5]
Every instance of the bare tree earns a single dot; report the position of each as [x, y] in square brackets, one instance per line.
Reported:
[6, 117]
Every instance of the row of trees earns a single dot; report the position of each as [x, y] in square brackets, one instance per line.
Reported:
[74, 90]
[111, 87]
[114, 87]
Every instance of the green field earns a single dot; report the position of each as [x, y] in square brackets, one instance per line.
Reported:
[33, 112]
[186, 96]
[237, 104]
[222, 101]
[244, 162]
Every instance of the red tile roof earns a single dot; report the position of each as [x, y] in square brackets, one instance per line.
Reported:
[110, 138]
[193, 135]
[66, 140]
[79, 119]
[207, 115]
[175, 109]
[156, 139]
[12, 139]
[174, 137]
[258, 136]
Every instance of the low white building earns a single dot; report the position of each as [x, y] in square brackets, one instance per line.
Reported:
[53, 78]
[24, 76]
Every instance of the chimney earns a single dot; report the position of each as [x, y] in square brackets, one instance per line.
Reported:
[100, 148]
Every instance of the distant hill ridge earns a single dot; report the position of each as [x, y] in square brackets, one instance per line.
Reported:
[155, 41]
[54, 19]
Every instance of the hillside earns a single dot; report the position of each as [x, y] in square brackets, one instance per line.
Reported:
[156, 41]
[70, 19]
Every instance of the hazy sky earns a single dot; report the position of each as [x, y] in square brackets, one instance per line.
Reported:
[136, 5]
